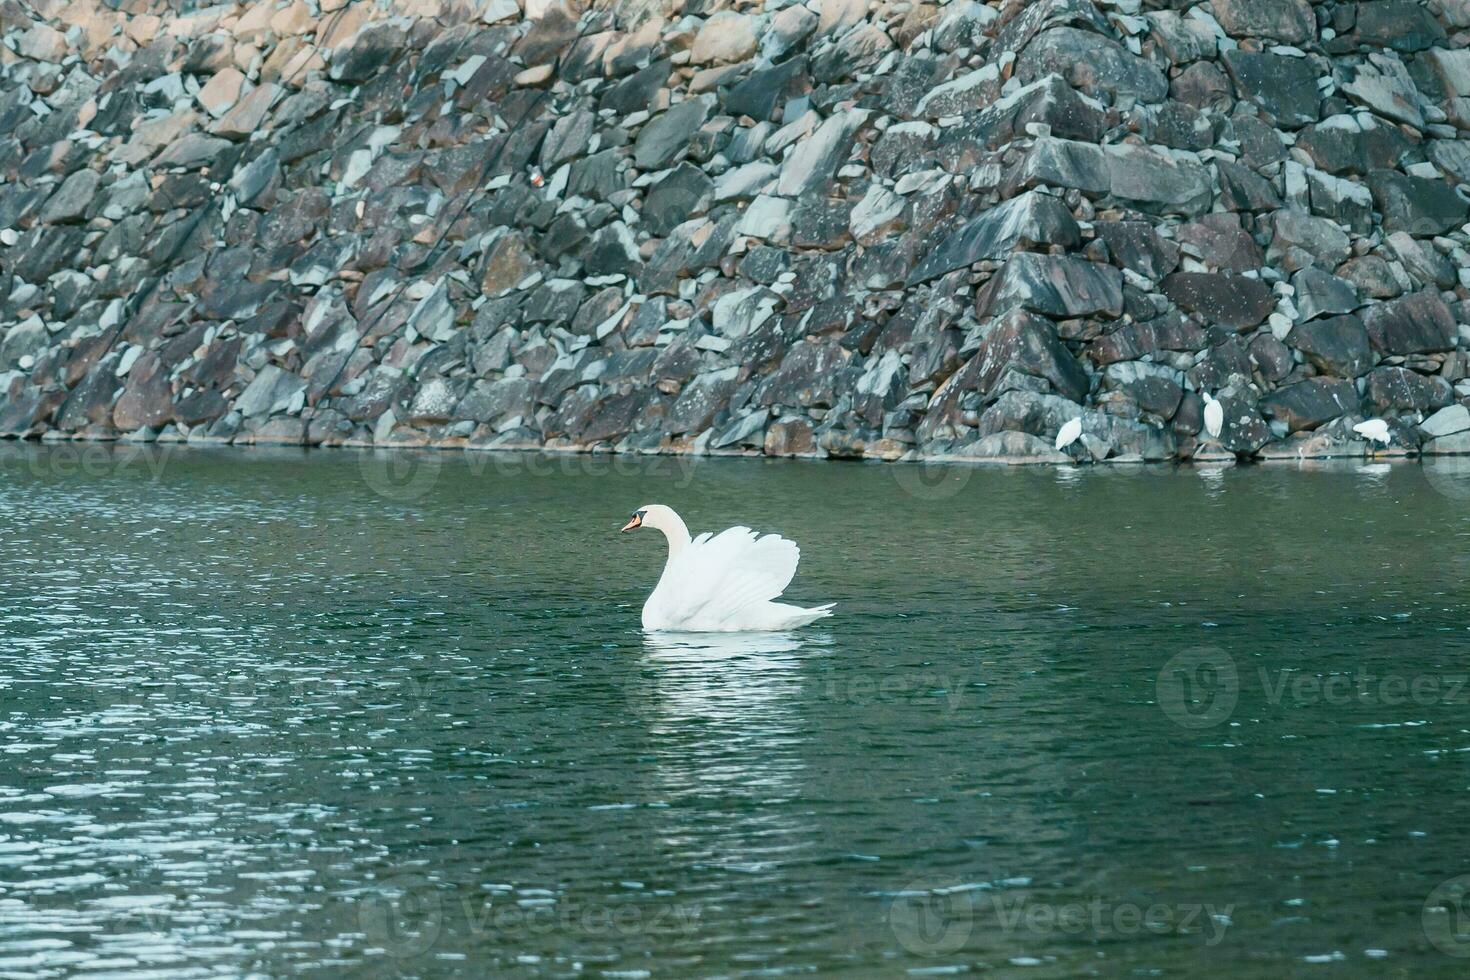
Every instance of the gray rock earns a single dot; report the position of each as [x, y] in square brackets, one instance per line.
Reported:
[1319, 239]
[272, 391]
[250, 181]
[808, 376]
[1289, 21]
[1419, 323]
[1418, 205]
[1056, 285]
[1063, 164]
[1236, 302]
[433, 317]
[744, 182]
[1221, 243]
[1446, 422]
[72, 199]
[879, 215]
[1422, 260]
[1157, 181]
[971, 91]
[494, 402]
[1397, 389]
[1032, 220]
[666, 138]
[1321, 293]
[1385, 87]
[1338, 345]
[741, 312]
[814, 160]
[700, 401]
[1091, 63]
[1353, 144]
[1285, 87]
[1307, 404]
[1399, 24]
[434, 402]
[1344, 201]
[1244, 190]
[1135, 245]
[683, 194]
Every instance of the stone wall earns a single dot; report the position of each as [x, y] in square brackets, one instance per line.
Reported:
[838, 228]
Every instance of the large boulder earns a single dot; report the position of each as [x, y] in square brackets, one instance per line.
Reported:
[1055, 285]
[1289, 21]
[1091, 63]
[1419, 323]
[1338, 345]
[1308, 404]
[1237, 302]
[1031, 220]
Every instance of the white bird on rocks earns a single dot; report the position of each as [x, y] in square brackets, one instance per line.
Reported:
[1374, 430]
[721, 583]
[1069, 433]
[1214, 415]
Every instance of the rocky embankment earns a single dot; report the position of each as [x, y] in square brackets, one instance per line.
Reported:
[839, 228]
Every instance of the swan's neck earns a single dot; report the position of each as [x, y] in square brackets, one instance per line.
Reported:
[674, 532]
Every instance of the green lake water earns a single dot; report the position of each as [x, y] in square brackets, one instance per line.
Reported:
[269, 713]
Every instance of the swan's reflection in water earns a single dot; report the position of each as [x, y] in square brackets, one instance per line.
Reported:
[724, 715]
[719, 675]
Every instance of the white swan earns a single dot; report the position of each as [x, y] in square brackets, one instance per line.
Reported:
[721, 583]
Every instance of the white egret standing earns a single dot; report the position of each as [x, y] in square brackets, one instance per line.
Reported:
[1069, 433]
[1214, 415]
[1374, 430]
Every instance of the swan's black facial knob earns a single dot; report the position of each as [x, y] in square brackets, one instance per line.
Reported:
[634, 522]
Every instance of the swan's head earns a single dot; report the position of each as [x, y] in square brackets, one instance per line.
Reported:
[655, 516]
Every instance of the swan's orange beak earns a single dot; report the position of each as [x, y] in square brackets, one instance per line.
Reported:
[634, 523]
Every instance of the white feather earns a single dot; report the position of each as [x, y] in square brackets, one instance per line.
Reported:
[1070, 431]
[723, 582]
[1374, 430]
[1214, 415]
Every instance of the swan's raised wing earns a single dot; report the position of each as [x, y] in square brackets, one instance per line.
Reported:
[718, 576]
